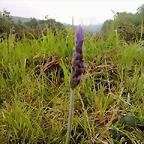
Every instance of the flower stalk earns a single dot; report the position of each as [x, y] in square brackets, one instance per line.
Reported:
[77, 71]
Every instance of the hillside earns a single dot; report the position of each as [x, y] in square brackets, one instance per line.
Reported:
[92, 28]
[87, 28]
[16, 19]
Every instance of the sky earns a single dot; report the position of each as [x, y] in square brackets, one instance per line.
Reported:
[83, 11]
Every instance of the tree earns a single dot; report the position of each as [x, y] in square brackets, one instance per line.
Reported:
[141, 9]
[5, 22]
[107, 25]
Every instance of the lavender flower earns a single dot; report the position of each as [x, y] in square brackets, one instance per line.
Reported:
[76, 74]
[77, 61]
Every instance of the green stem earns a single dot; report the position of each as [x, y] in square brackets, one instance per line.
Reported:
[71, 108]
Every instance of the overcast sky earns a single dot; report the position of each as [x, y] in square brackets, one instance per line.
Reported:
[87, 11]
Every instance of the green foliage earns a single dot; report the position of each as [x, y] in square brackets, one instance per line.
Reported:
[129, 120]
[129, 26]
[5, 22]
[34, 90]
[107, 25]
[31, 29]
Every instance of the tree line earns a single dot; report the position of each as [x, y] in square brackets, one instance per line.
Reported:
[33, 28]
[129, 25]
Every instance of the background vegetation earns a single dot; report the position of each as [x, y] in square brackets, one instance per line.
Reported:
[130, 26]
[34, 83]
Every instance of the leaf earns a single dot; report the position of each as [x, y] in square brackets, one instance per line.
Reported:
[66, 73]
[122, 140]
[129, 120]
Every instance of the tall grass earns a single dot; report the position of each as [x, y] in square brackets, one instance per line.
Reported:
[34, 91]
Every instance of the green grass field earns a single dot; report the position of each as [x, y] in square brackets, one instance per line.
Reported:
[34, 91]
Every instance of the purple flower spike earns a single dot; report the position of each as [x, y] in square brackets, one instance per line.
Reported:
[79, 35]
[77, 61]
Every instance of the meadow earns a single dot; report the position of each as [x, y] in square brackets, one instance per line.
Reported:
[34, 91]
